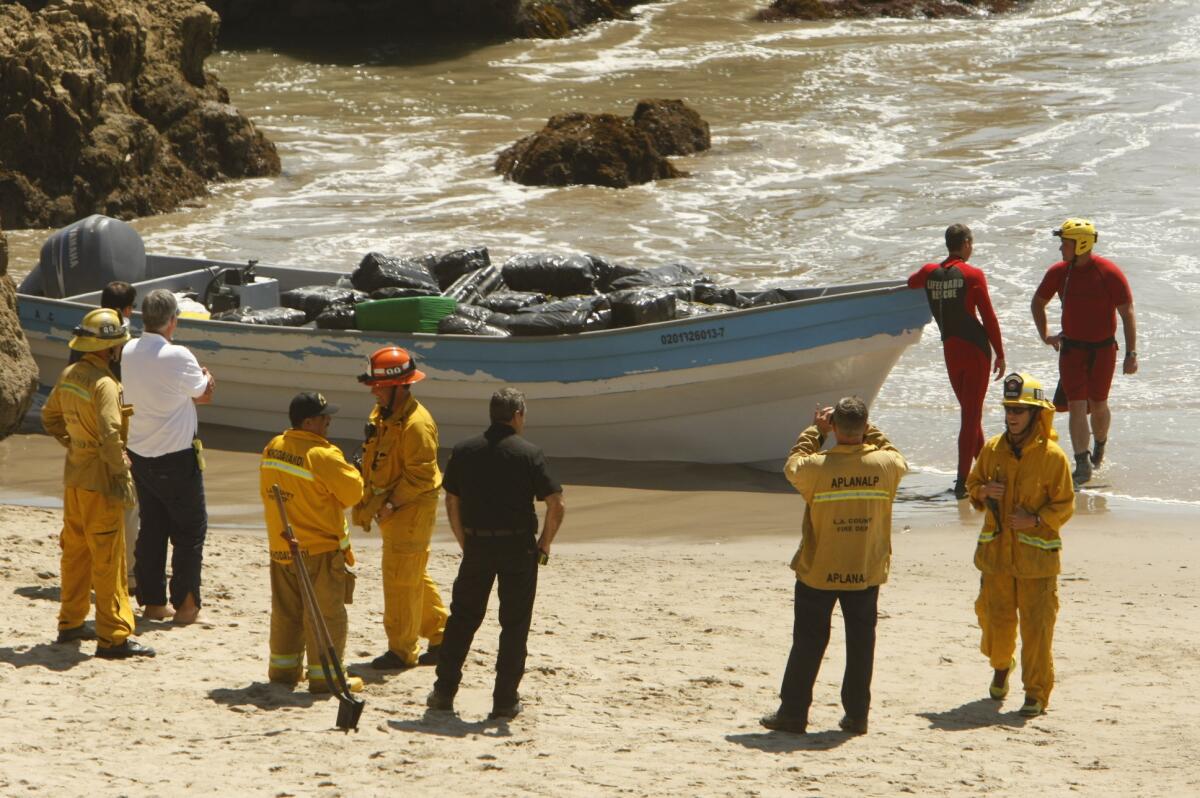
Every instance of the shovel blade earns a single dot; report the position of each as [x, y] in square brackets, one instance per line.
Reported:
[349, 711]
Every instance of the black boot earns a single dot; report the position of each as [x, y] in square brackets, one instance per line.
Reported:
[1083, 468]
[1098, 453]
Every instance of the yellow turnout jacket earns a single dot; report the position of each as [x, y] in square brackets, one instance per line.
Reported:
[86, 414]
[1038, 481]
[399, 460]
[317, 485]
[848, 493]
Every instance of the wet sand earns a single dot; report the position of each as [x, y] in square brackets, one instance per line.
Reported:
[660, 635]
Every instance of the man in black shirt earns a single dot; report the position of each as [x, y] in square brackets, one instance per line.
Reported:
[491, 482]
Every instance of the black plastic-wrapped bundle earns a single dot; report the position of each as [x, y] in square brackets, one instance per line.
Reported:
[711, 294]
[377, 271]
[313, 299]
[337, 316]
[477, 312]
[511, 301]
[472, 286]
[394, 292]
[642, 306]
[455, 324]
[555, 275]
[671, 274]
[686, 310]
[447, 267]
[555, 322]
[606, 271]
[275, 317]
[774, 296]
[589, 303]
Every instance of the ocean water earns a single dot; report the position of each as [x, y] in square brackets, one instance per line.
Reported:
[841, 151]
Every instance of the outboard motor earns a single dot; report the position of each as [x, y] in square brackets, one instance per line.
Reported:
[85, 256]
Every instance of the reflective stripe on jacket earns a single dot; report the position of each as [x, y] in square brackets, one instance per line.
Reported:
[399, 461]
[848, 493]
[317, 485]
[1040, 483]
[85, 413]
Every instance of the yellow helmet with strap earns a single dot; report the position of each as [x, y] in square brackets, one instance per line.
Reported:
[1025, 390]
[101, 328]
[1081, 231]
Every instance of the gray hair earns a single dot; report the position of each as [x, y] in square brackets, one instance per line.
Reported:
[850, 415]
[158, 308]
[506, 403]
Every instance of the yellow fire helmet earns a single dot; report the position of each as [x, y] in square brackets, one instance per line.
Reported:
[1081, 231]
[1023, 389]
[101, 328]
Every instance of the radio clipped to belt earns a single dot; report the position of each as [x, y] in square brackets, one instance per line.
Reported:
[199, 447]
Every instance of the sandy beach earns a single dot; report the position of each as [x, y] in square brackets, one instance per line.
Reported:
[661, 630]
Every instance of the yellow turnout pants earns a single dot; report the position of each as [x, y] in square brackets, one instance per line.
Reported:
[412, 607]
[93, 558]
[1005, 600]
[292, 632]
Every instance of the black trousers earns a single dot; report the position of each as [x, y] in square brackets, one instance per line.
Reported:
[512, 560]
[810, 636]
[171, 508]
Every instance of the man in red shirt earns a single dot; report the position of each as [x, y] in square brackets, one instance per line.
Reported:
[957, 291]
[1093, 291]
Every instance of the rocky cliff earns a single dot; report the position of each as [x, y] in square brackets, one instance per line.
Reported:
[105, 107]
[18, 371]
[273, 20]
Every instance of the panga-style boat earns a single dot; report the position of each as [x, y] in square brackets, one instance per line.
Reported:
[733, 387]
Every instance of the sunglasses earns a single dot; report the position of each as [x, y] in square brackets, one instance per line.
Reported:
[1017, 411]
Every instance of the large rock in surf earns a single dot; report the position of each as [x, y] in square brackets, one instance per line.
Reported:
[280, 21]
[18, 371]
[674, 128]
[605, 149]
[841, 9]
[594, 149]
[105, 107]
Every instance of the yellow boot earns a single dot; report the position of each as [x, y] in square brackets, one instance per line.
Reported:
[317, 684]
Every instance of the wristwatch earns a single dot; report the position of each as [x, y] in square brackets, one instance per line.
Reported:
[1131, 354]
[389, 505]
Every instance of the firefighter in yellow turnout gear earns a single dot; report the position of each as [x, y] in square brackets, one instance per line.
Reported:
[1023, 479]
[85, 413]
[401, 485]
[317, 486]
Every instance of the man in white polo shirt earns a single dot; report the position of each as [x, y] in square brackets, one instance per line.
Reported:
[164, 383]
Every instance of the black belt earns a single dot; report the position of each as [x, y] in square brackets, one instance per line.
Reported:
[476, 532]
[164, 458]
[1070, 343]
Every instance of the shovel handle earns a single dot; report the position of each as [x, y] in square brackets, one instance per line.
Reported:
[287, 533]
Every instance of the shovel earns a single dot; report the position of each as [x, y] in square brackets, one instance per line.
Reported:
[350, 707]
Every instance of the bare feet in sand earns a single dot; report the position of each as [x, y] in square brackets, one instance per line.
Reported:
[156, 612]
[187, 612]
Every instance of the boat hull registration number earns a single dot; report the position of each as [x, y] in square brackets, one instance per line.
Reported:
[691, 336]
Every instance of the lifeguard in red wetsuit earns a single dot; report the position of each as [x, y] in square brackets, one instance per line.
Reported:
[957, 291]
[1093, 291]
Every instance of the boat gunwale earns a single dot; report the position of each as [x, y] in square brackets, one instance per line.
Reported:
[881, 287]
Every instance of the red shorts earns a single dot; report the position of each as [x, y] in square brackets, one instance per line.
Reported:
[1087, 374]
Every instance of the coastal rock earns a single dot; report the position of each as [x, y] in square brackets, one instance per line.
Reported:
[280, 21]
[105, 107]
[18, 371]
[841, 9]
[674, 128]
[594, 149]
